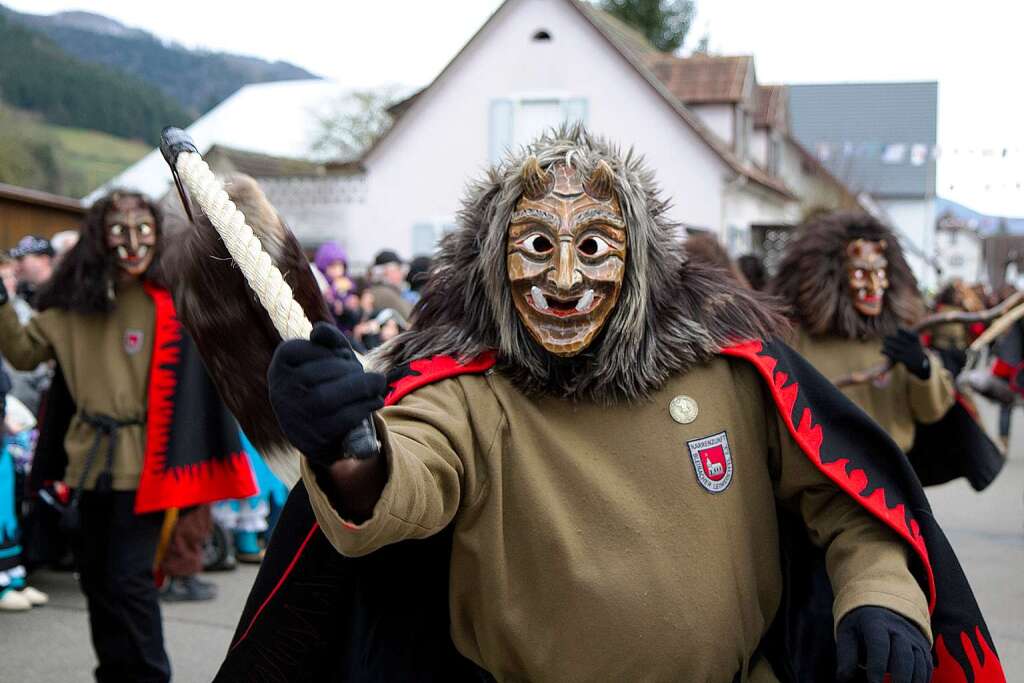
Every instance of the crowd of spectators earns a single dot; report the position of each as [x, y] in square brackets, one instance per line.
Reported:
[23, 270]
[369, 308]
[375, 307]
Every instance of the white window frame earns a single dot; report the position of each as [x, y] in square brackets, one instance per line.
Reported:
[506, 111]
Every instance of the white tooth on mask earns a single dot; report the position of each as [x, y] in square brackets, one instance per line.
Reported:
[143, 250]
[862, 294]
[538, 298]
[122, 252]
[585, 300]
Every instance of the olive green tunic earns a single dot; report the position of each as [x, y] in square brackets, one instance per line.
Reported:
[106, 374]
[586, 549]
[895, 403]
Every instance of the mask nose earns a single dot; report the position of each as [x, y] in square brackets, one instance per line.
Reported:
[565, 273]
[133, 239]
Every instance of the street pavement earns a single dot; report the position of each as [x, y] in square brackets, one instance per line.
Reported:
[987, 531]
[51, 643]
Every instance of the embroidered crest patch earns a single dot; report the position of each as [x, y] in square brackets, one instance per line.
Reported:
[712, 461]
[133, 341]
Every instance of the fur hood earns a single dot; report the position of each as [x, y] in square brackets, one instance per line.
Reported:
[670, 315]
[812, 279]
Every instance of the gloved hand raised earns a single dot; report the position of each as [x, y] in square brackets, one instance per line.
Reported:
[905, 347]
[883, 642]
[320, 392]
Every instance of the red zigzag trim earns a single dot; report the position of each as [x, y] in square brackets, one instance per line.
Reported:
[210, 480]
[430, 370]
[949, 670]
[808, 436]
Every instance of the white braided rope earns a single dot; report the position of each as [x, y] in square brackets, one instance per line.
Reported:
[245, 248]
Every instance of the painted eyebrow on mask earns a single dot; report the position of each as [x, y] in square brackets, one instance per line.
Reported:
[869, 265]
[599, 215]
[535, 215]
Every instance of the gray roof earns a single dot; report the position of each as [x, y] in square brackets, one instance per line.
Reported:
[855, 123]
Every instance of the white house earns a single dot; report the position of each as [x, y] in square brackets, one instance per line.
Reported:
[532, 65]
[960, 249]
[879, 139]
[753, 121]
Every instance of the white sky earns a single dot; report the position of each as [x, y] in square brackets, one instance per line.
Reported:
[970, 48]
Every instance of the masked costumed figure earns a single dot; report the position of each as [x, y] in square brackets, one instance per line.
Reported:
[592, 466]
[952, 337]
[140, 424]
[853, 298]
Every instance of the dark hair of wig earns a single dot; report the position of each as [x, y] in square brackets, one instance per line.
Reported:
[948, 296]
[813, 281]
[85, 279]
[705, 248]
[753, 269]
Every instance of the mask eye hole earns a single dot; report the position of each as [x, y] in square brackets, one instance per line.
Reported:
[146, 229]
[537, 244]
[117, 230]
[858, 274]
[594, 246]
[881, 274]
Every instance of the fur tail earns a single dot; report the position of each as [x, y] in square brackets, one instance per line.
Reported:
[233, 332]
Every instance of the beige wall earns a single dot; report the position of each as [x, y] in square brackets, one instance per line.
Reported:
[19, 218]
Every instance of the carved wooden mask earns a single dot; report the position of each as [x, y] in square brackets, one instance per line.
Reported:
[131, 233]
[865, 267]
[566, 254]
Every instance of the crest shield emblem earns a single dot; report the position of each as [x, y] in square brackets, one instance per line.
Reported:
[712, 461]
[133, 341]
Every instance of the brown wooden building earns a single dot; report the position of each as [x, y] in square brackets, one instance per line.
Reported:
[31, 212]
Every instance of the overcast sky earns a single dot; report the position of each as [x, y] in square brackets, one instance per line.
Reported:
[970, 48]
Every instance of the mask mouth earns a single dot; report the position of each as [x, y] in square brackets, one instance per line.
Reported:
[561, 306]
[131, 259]
[870, 302]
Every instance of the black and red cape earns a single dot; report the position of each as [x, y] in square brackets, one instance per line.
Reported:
[193, 454]
[956, 445]
[315, 615]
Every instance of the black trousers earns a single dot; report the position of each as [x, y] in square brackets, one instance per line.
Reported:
[114, 550]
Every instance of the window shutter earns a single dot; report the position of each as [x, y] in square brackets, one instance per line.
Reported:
[575, 109]
[500, 129]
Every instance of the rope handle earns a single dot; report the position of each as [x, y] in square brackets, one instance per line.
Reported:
[263, 277]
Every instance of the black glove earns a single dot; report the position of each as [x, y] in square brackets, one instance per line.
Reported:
[905, 347]
[883, 642]
[320, 392]
[3, 295]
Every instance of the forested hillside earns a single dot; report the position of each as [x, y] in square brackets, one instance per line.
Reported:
[196, 79]
[36, 75]
[58, 159]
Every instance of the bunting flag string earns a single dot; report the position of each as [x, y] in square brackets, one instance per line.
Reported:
[914, 153]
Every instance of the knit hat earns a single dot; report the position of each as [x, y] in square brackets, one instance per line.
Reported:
[328, 253]
[31, 244]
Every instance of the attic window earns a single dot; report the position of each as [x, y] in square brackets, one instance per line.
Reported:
[541, 36]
